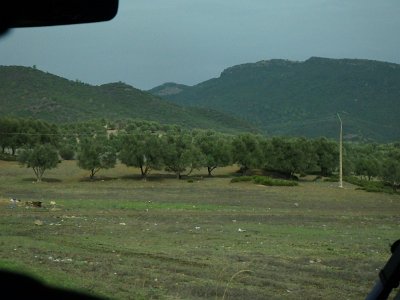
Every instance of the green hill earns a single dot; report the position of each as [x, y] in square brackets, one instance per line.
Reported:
[302, 98]
[28, 92]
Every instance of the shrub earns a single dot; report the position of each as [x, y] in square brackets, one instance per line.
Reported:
[67, 153]
[369, 186]
[373, 189]
[268, 181]
[242, 178]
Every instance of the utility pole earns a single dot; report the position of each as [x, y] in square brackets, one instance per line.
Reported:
[340, 153]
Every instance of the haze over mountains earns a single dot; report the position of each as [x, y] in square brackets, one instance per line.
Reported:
[303, 98]
[274, 97]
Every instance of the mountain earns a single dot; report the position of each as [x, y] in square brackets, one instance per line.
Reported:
[303, 98]
[28, 92]
[168, 89]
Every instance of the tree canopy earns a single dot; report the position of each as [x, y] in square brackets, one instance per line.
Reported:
[95, 154]
[40, 158]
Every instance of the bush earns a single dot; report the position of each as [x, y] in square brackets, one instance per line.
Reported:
[364, 183]
[242, 178]
[374, 189]
[369, 186]
[67, 153]
[268, 181]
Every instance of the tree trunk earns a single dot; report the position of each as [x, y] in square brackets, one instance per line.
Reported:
[142, 171]
[38, 174]
[324, 172]
[244, 170]
[209, 169]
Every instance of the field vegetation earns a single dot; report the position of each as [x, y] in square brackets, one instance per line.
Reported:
[121, 237]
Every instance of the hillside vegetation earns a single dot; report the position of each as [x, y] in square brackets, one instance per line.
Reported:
[302, 98]
[28, 92]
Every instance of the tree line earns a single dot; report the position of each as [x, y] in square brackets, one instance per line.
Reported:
[150, 146]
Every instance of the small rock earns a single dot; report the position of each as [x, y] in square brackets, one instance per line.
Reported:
[39, 222]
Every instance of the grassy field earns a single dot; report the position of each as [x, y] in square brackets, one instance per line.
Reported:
[122, 238]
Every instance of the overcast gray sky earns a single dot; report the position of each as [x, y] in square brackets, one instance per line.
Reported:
[189, 41]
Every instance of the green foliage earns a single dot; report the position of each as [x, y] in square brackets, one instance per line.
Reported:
[40, 159]
[246, 152]
[273, 182]
[17, 133]
[327, 153]
[181, 153]
[67, 152]
[216, 148]
[268, 181]
[367, 185]
[142, 150]
[95, 154]
[151, 145]
[391, 169]
[242, 179]
[290, 156]
[367, 167]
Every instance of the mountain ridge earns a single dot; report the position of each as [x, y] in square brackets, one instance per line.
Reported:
[286, 97]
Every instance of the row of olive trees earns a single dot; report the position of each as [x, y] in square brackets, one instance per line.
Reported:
[181, 152]
[370, 161]
[151, 146]
[17, 133]
[177, 152]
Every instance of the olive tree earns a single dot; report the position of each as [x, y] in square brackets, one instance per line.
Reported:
[180, 154]
[246, 152]
[216, 150]
[327, 155]
[95, 154]
[40, 158]
[391, 169]
[141, 150]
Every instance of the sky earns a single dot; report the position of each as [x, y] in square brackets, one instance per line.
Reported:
[152, 42]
